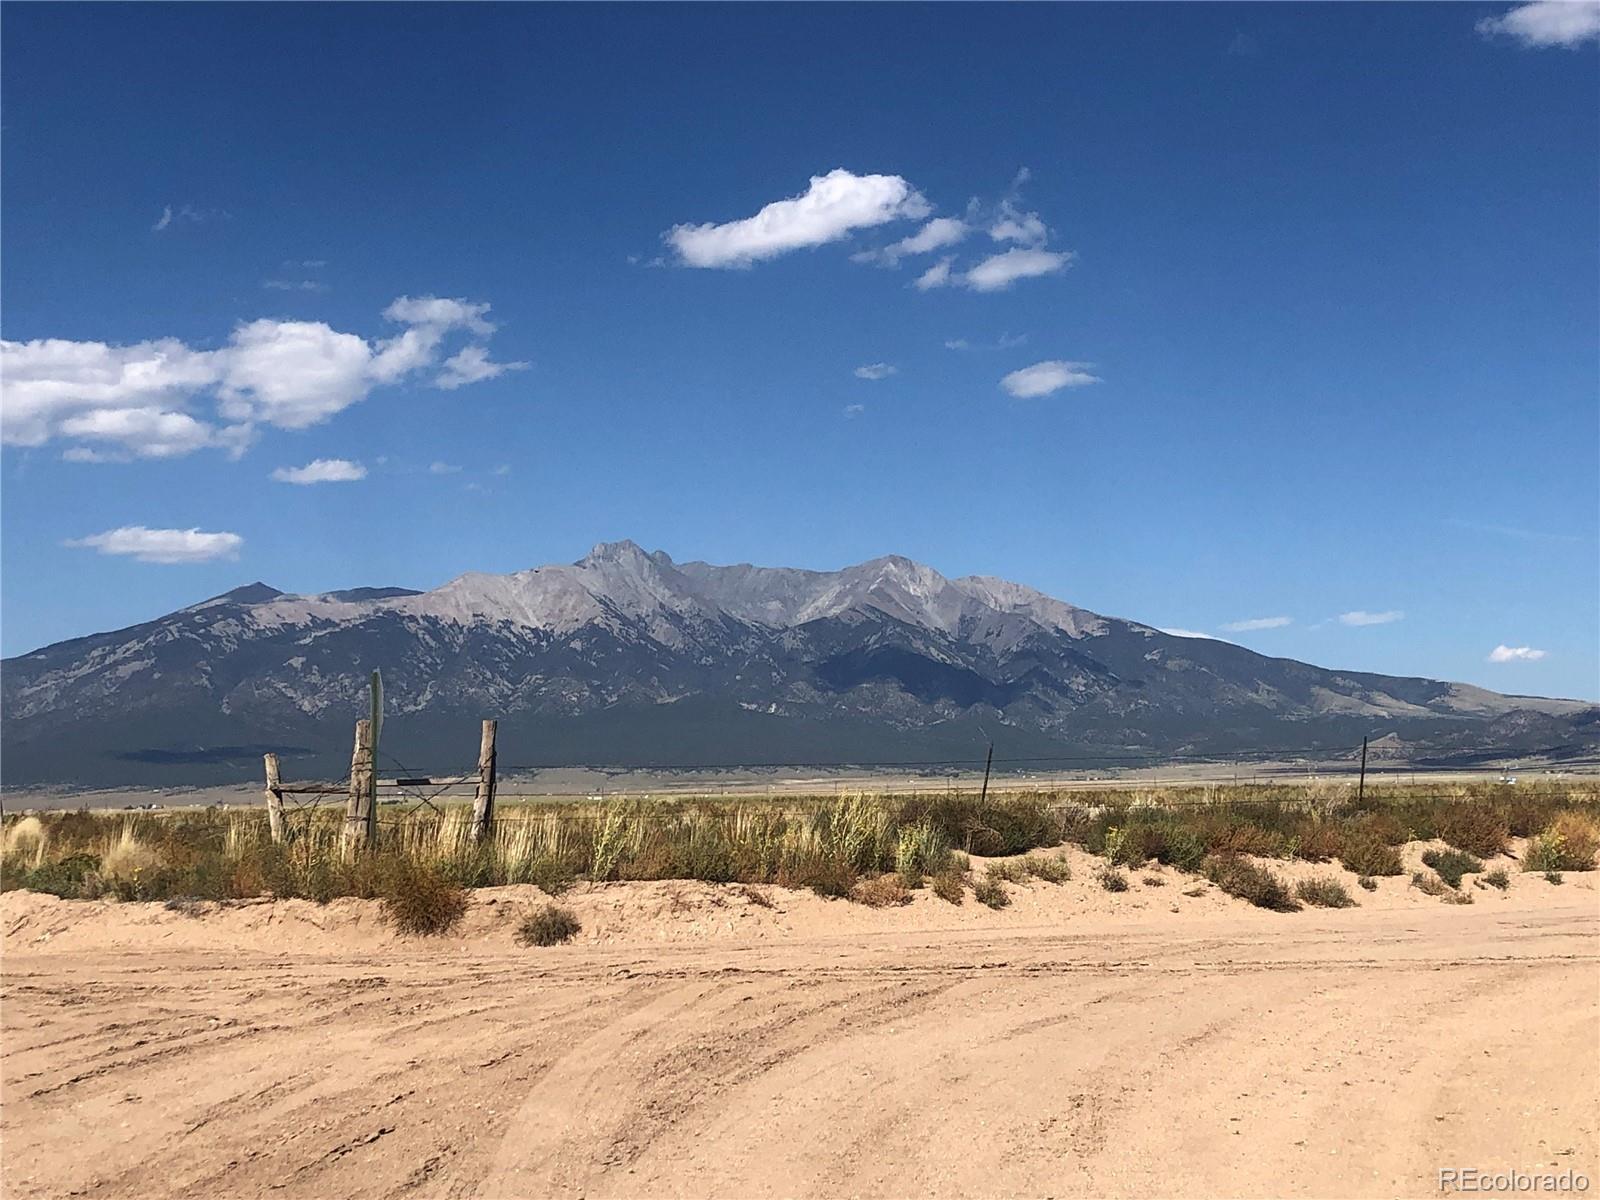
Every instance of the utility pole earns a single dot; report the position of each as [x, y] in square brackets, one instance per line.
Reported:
[987, 763]
[1361, 788]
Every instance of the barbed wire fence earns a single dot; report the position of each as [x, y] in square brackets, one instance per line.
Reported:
[419, 790]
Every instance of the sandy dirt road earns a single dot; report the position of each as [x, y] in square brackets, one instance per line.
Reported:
[1229, 1053]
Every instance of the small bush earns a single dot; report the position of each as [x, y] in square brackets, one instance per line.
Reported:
[550, 875]
[1052, 868]
[1569, 843]
[1552, 877]
[1368, 882]
[1324, 892]
[757, 897]
[1474, 827]
[1153, 881]
[989, 890]
[1429, 885]
[1497, 878]
[547, 925]
[1014, 870]
[1454, 897]
[1365, 852]
[1112, 879]
[417, 898]
[1242, 878]
[72, 878]
[949, 886]
[881, 891]
[1451, 865]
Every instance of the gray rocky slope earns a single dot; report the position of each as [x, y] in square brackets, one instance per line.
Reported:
[629, 658]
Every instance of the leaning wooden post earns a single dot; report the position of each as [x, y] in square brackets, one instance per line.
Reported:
[274, 798]
[358, 810]
[483, 806]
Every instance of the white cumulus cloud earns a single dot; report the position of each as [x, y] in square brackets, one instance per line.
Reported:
[1255, 623]
[1565, 23]
[162, 545]
[1505, 654]
[139, 400]
[322, 470]
[1361, 617]
[834, 206]
[1045, 377]
[876, 371]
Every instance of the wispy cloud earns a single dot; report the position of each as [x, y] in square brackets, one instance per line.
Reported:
[852, 411]
[1189, 633]
[1255, 623]
[1361, 617]
[1000, 271]
[443, 468]
[1505, 654]
[1512, 531]
[1565, 23]
[834, 206]
[1006, 341]
[876, 371]
[935, 235]
[294, 285]
[162, 545]
[471, 364]
[1045, 377]
[322, 470]
[184, 214]
[119, 400]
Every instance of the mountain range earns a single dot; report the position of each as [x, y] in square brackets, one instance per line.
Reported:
[628, 658]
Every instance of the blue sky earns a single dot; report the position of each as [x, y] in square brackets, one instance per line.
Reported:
[1252, 315]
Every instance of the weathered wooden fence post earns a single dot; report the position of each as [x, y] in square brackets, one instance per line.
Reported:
[274, 798]
[483, 806]
[359, 812]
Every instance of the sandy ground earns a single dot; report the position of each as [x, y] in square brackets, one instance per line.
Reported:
[694, 1041]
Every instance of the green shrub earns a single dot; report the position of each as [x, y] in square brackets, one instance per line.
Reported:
[1429, 885]
[1112, 879]
[1568, 844]
[1368, 882]
[881, 891]
[1008, 871]
[71, 878]
[1324, 892]
[1052, 868]
[1239, 877]
[1497, 878]
[547, 925]
[1451, 865]
[1364, 852]
[1474, 827]
[991, 891]
[419, 899]
[1552, 877]
[949, 885]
